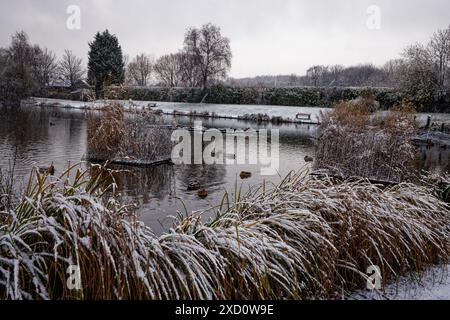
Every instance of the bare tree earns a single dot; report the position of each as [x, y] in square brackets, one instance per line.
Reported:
[439, 48]
[168, 69]
[315, 74]
[71, 68]
[210, 53]
[335, 74]
[19, 71]
[393, 71]
[139, 69]
[419, 81]
[128, 77]
[3, 68]
[190, 70]
[44, 66]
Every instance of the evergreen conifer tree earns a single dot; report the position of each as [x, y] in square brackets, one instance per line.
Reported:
[105, 65]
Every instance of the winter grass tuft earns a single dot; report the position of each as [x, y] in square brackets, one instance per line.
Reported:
[306, 238]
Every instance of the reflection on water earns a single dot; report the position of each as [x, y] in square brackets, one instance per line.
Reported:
[434, 158]
[43, 136]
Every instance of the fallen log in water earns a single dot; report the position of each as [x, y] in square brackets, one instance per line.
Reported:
[132, 162]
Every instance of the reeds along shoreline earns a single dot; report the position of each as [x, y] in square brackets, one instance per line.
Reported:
[354, 142]
[305, 238]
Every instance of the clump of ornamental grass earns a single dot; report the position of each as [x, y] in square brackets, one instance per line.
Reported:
[127, 135]
[8, 192]
[58, 224]
[6, 188]
[306, 238]
[439, 183]
[353, 142]
[327, 233]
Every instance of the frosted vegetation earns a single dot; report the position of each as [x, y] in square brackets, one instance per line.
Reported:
[307, 237]
[354, 142]
[137, 135]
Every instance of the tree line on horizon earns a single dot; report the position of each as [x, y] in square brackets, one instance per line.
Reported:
[25, 68]
[204, 60]
[422, 74]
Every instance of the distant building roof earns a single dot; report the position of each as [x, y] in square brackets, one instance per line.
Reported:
[59, 83]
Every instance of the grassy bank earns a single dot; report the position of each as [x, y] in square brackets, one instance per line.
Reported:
[305, 238]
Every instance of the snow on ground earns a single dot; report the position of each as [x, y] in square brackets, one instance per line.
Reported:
[434, 284]
[220, 110]
[65, 103]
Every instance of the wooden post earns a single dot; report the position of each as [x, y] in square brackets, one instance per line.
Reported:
[428, 123]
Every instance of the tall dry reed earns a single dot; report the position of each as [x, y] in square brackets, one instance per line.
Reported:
[306, 238]
[353, 142]
[134, 135]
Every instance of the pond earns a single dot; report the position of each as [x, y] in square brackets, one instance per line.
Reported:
[40, 136]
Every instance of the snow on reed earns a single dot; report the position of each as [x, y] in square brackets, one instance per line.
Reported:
[353, 142]
[305, 238]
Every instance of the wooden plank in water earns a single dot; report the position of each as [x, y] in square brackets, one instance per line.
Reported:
[303, 116]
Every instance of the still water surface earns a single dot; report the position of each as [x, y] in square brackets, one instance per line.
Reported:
[41, 136]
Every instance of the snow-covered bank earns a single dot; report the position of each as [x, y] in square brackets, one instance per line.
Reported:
[60, 103]
[189, 109]
[434, 284]
[219, 110]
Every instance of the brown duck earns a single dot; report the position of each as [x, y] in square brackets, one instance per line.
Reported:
[202, 194]
[245, 175]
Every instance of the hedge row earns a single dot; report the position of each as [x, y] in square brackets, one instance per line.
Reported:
[294, 96]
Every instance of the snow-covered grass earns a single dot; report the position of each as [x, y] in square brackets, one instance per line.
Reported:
[305, 238]
[7, 191]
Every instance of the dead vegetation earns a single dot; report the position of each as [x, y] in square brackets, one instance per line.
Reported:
[354, 142]
[8, 192]
[134, 134]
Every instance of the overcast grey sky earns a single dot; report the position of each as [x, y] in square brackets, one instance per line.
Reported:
[267, 36]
